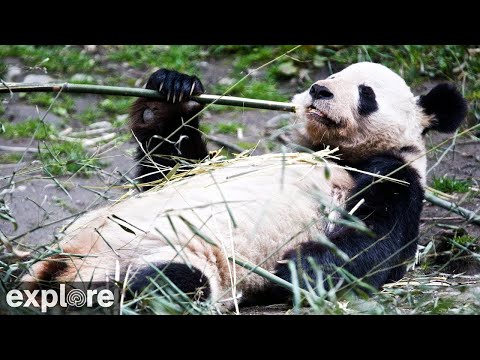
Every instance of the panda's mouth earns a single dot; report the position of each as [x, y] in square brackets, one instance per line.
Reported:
[319, 116]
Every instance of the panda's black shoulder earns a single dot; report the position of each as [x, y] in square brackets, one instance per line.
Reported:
[381, 163]
[378, 192]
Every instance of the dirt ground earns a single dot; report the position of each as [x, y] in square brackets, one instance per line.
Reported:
[37, 200]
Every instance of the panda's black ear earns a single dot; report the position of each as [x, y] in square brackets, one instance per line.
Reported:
[447, 106]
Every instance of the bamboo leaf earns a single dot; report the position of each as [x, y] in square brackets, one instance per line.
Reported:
[124, 228]
[197, 231]
[5, 214]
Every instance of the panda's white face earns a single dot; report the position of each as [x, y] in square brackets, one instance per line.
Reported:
[364, 109]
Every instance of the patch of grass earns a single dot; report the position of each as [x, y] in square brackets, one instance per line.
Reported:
[2, 109]
[61, 59]
[222, 50]
[42, 99]
[123, 138]
[205, 128]
[181, 58]
[229, 128]
[266, 85]
[441, 305]
[464, 240]
[67, 158]
[451, 185]
[89, 115]
[253, 56]
[62, 106]
[65, 205]
[116, 105]
[271, 145]
[256, 89]
[116, 80]
[416, 63]
[120, 121]
[256, 56]
[10, 158]
[267, 90]
[112, 108]
[26, 129]
[83, 79]
[246, 144]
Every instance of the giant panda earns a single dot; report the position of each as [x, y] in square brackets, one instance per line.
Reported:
[268, 210]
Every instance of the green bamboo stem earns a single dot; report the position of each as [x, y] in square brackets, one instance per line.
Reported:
[467, 214]
[137, 92]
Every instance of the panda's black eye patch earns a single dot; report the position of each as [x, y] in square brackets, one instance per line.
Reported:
[367, 104]
[367, 91]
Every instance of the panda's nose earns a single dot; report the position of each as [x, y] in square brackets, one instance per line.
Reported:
[319, 92]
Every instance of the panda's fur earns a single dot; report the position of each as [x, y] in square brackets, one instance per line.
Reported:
[268, 209]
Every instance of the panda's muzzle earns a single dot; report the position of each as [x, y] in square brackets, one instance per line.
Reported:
[319, 116]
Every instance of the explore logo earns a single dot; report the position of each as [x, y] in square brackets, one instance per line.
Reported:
[45, 299]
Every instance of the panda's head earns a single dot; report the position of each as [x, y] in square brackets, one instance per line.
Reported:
[367, 109]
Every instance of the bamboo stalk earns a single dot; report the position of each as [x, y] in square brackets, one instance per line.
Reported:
[204, 99]
[452, 207]
[137, 92]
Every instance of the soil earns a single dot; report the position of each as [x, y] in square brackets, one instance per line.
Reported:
[36, 200]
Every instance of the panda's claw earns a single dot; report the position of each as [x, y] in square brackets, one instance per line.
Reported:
[174, 87]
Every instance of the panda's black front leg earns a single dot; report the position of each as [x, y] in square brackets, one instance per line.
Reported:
[167, 129]
[391, 210]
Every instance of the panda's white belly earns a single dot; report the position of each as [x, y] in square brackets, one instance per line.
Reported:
[254, 209]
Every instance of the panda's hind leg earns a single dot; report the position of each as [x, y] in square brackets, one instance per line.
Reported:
[180, 277]
[396, 273]
[193, 270]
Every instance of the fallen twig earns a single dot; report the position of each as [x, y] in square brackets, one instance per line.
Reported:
[232, 147]
[440, 218]
[90, 132]
[106, 146]
[85, 142]
[17, 149]
[94, 141]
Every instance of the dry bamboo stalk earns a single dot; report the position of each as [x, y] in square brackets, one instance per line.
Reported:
[230, 146]
[137, 92]
[17, 149]
[90, 132]
[452, 207]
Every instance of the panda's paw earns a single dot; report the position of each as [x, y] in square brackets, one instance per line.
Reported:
[174, 86]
